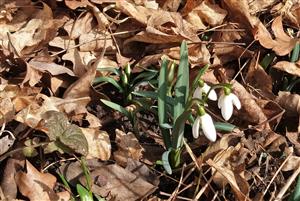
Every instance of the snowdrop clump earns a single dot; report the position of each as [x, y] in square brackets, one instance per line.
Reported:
[226, 102]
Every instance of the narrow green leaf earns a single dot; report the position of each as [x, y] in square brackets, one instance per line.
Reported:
[227, 127]
[65, 182]
[199, 75]
[109, 80]
[267, 60]
[295, 196]
[86, 173]
[162, 103]
[116, 107]
[83, 193]
[182, 83]
[295, 53]
[116, 71]
[144, 76]
[165, 161]
[153, 95]
[178, 129]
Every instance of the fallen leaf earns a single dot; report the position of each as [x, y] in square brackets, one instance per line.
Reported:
[210, 13]
[38, 186]
[237, 183]
[250, 109]
[119, 183]
[8, 182]
[128, 147]
[98, 143]
[6, 141]
[290, 102]
[282, 44]
[289, 67]
[260, 80]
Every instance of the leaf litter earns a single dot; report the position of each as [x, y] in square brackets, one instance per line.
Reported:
[51, 113]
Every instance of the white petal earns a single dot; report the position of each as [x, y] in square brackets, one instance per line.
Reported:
[220, 101]
[212, 94]
[236, 101]
[198, 93]
[208, 127]
[195, 128]
[226, 107]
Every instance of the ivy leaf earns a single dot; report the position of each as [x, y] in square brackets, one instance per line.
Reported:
[67, 136]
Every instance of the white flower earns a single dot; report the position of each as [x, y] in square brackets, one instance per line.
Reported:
[207, 126]
[199, 91]
[226, 102]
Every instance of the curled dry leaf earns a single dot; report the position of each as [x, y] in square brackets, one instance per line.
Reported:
[289, 67]
[282, 44]
[128, 147]
[250, 109]
[211, 14]
[156, 23]
[290, 102]
[8, 183]
[238, 184]
[38, 186]
[292, 163]
[6, 141]
[259, 79]
[293, 137]
[98, 143]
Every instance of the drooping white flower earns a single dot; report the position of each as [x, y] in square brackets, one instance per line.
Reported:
[226, 102]
[207, 126]
[205, 89]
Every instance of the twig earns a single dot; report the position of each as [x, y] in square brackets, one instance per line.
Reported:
[276, 173]
[178, 186]
[178, 197]
[287, 185]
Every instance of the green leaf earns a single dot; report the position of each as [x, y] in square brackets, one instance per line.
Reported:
[295, 196]
[178, 129]
[116, 107]
[144, 76]
[165, 161]
[295, 53]
[65, 182]
[84, 193]
[162, 103]
[227, 127]
[116, 71]
[86, 173]
[182, 83]
[267, 60]
[199, 75]
[66, 136]
[109, 80]
[153, 95]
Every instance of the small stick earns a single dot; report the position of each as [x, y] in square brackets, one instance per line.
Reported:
[287, 185]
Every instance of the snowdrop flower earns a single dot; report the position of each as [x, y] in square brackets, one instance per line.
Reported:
[226, 102]
[207, 126]
[204, 88]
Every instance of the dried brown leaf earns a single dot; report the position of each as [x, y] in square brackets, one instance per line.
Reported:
[238, 184]
[98, 143]
[128, 147]
[119, 183]
[8, 182]
[289, 67]
[36, 185]
[290, 102]
[282, 44]
[260, 80]
[210, 13]
[250, 109]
